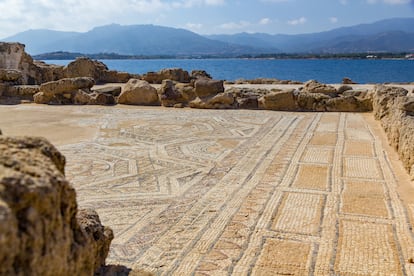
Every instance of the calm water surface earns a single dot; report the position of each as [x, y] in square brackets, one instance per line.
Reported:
[328, 71]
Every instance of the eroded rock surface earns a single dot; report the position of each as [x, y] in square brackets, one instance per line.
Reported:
[42, 232]
[394, 109]
[138, 92]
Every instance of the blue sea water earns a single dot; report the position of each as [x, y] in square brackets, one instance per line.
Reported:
[323, 70]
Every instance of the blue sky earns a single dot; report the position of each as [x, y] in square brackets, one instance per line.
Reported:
[200, 16]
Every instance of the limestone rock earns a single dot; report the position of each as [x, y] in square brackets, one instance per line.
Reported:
[348, 104]
[109, 90]
[314, 86]
[24, 92]
[186, 90]
[79, 97]
[347, 80]
[10, 75]
[66, 85]
[279, 100]
[207, 87]
[218, 101]
[102, 99]
[312, 101]
[200, 74]
[344, 88]
[169, 95]
[138, 92]
[41, 233]
[86, 67]
[13, 56]
[174, 74]
[393, 108]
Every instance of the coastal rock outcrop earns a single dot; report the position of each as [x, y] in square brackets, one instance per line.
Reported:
[208, 87]
[42, 231]
[174, 74]
[283, 100]
[13, 56]
[62, 91]
[394, 109]
[170, 95]
[86, 67]
[210, 94]
[138, 92]
[314, 86]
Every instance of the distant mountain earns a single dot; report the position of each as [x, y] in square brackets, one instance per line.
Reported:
[391, 35]
[127, 40]
[330, 41]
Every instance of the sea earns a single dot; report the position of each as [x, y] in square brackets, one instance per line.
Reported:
[362, 71]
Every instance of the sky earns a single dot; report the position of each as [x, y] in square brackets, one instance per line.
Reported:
[200, 16]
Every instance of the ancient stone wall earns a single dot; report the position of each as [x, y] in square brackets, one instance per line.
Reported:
[395, 109]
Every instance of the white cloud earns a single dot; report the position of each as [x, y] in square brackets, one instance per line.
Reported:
[81, 15]
[194, 26]
[235, 25]
[333, 19]
[265, 21]
[299, 21]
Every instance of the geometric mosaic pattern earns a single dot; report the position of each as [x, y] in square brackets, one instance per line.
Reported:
[239, 192]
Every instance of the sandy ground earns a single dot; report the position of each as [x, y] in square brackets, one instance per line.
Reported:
[208, 192]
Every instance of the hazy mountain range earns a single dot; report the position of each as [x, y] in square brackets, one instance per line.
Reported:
[391, 35]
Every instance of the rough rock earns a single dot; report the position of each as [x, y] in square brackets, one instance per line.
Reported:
[394, 109]
[199, 74]
[102, 99]
[10, 75]
[344, 88]
[13, 56]
[42, 232]
[109, 90]
[138, 92]
[169, 95]
[283, 100]
[314, 86]
[208, 88]
[347, 80]
[348, 104]
[186, 90]
[174, 74]
[66, 85]
[312, 101]
[86, 67]
[218, 101]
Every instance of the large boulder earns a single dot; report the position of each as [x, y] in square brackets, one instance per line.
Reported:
[42, 231]
[66, 85]
[138, 92]
[174, 74]
[312, 101]
[314, 86]
[218, 101]
[283, 100]
[169, 95]
[86, 67]
[207, 88]
[13, 56]
[200, 74]
[349, 104]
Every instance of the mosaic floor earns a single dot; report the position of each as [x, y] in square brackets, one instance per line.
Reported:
[207, 192]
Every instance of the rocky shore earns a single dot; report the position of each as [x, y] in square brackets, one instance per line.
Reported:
[32, 181]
